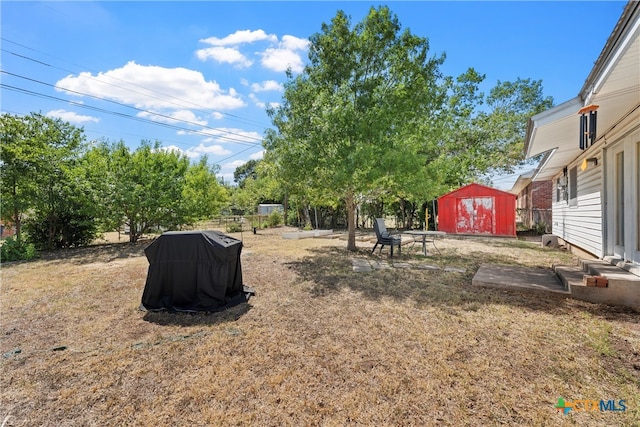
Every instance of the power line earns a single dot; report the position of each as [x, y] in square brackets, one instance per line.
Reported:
[144, 137]
[129, 106]
[139, 119]
[127, 116]
[164, 96]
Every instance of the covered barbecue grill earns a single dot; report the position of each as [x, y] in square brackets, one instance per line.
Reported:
[194, 271]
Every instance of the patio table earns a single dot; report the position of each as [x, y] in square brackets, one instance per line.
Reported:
[422, 235]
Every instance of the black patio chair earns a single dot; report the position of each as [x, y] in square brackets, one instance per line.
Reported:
[384, 237]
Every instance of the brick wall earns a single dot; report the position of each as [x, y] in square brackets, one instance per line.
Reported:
[7, 230]
[534, 204]
[541, 194]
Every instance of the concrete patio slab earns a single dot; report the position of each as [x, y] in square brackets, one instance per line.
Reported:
[509, 276]
[401, 265]
[427, 267]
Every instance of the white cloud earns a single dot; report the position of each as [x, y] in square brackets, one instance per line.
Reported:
[257, 156]
[231, 135]
[286, 55]
[153, 87]
[240, 37]
[232, 165]
[216, 150]
[256, 101]
[294, 43]
[227, 169]
[195, 152]
[267, 85]
[224, 55]
[174, 117]
[71, 117]
[279, 56]
[262, 104]
[175, 148]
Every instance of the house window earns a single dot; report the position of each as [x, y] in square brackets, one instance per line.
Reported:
[573, 186]
[561, 189]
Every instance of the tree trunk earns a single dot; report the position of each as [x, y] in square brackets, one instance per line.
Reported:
[133, 232]
[286, 209]
[351, 221]
[17, 223]
[16, 212]
[307, 217]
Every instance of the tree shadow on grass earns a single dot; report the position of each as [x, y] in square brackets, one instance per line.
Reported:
[165, 318]
[106, 252]
[331, 269]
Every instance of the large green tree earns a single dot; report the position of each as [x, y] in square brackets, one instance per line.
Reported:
[245, 171]
[477, 141]
[202, 194]
[346, 124]
[40, 177]
[151, 188]
[145, 187]
[18, 169]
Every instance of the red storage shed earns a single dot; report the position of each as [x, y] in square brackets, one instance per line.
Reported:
[477, 209]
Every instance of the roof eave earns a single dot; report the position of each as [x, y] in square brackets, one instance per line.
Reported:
[564, 110]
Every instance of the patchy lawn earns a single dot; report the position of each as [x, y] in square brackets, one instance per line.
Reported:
[320, 344]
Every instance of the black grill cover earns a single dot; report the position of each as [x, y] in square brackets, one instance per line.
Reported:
[193, 271]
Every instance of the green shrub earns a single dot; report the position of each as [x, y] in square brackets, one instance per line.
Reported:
[275, 219]
[234, 227]
[61, 230]
[541, 227]
[15, 250]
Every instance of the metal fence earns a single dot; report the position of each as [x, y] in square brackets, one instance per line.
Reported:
[535, 219]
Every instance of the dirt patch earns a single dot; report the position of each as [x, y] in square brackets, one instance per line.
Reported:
[319, 344]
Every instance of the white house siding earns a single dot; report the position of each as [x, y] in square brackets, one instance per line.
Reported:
[581, 225]
[626, 137]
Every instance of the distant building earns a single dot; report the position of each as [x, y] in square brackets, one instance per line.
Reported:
[477, 209]
[267, 209]
[533, 205]
[7, 229]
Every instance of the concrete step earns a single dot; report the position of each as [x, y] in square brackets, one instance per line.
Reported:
[612, 272]
[569, 275]
[623, 288]
[627, 266]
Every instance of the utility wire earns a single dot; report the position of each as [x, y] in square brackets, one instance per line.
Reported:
[127, 106]
[123, 115]
[100, 132]
[184, 104]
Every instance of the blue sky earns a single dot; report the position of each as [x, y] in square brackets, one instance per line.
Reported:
[198, 75]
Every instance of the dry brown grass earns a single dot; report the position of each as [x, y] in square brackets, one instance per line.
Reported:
[318, 345]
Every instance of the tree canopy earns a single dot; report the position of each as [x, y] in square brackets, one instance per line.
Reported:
[151, 188]
[66, 190]
[373, 117]
[346, 124]
[39, 157]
